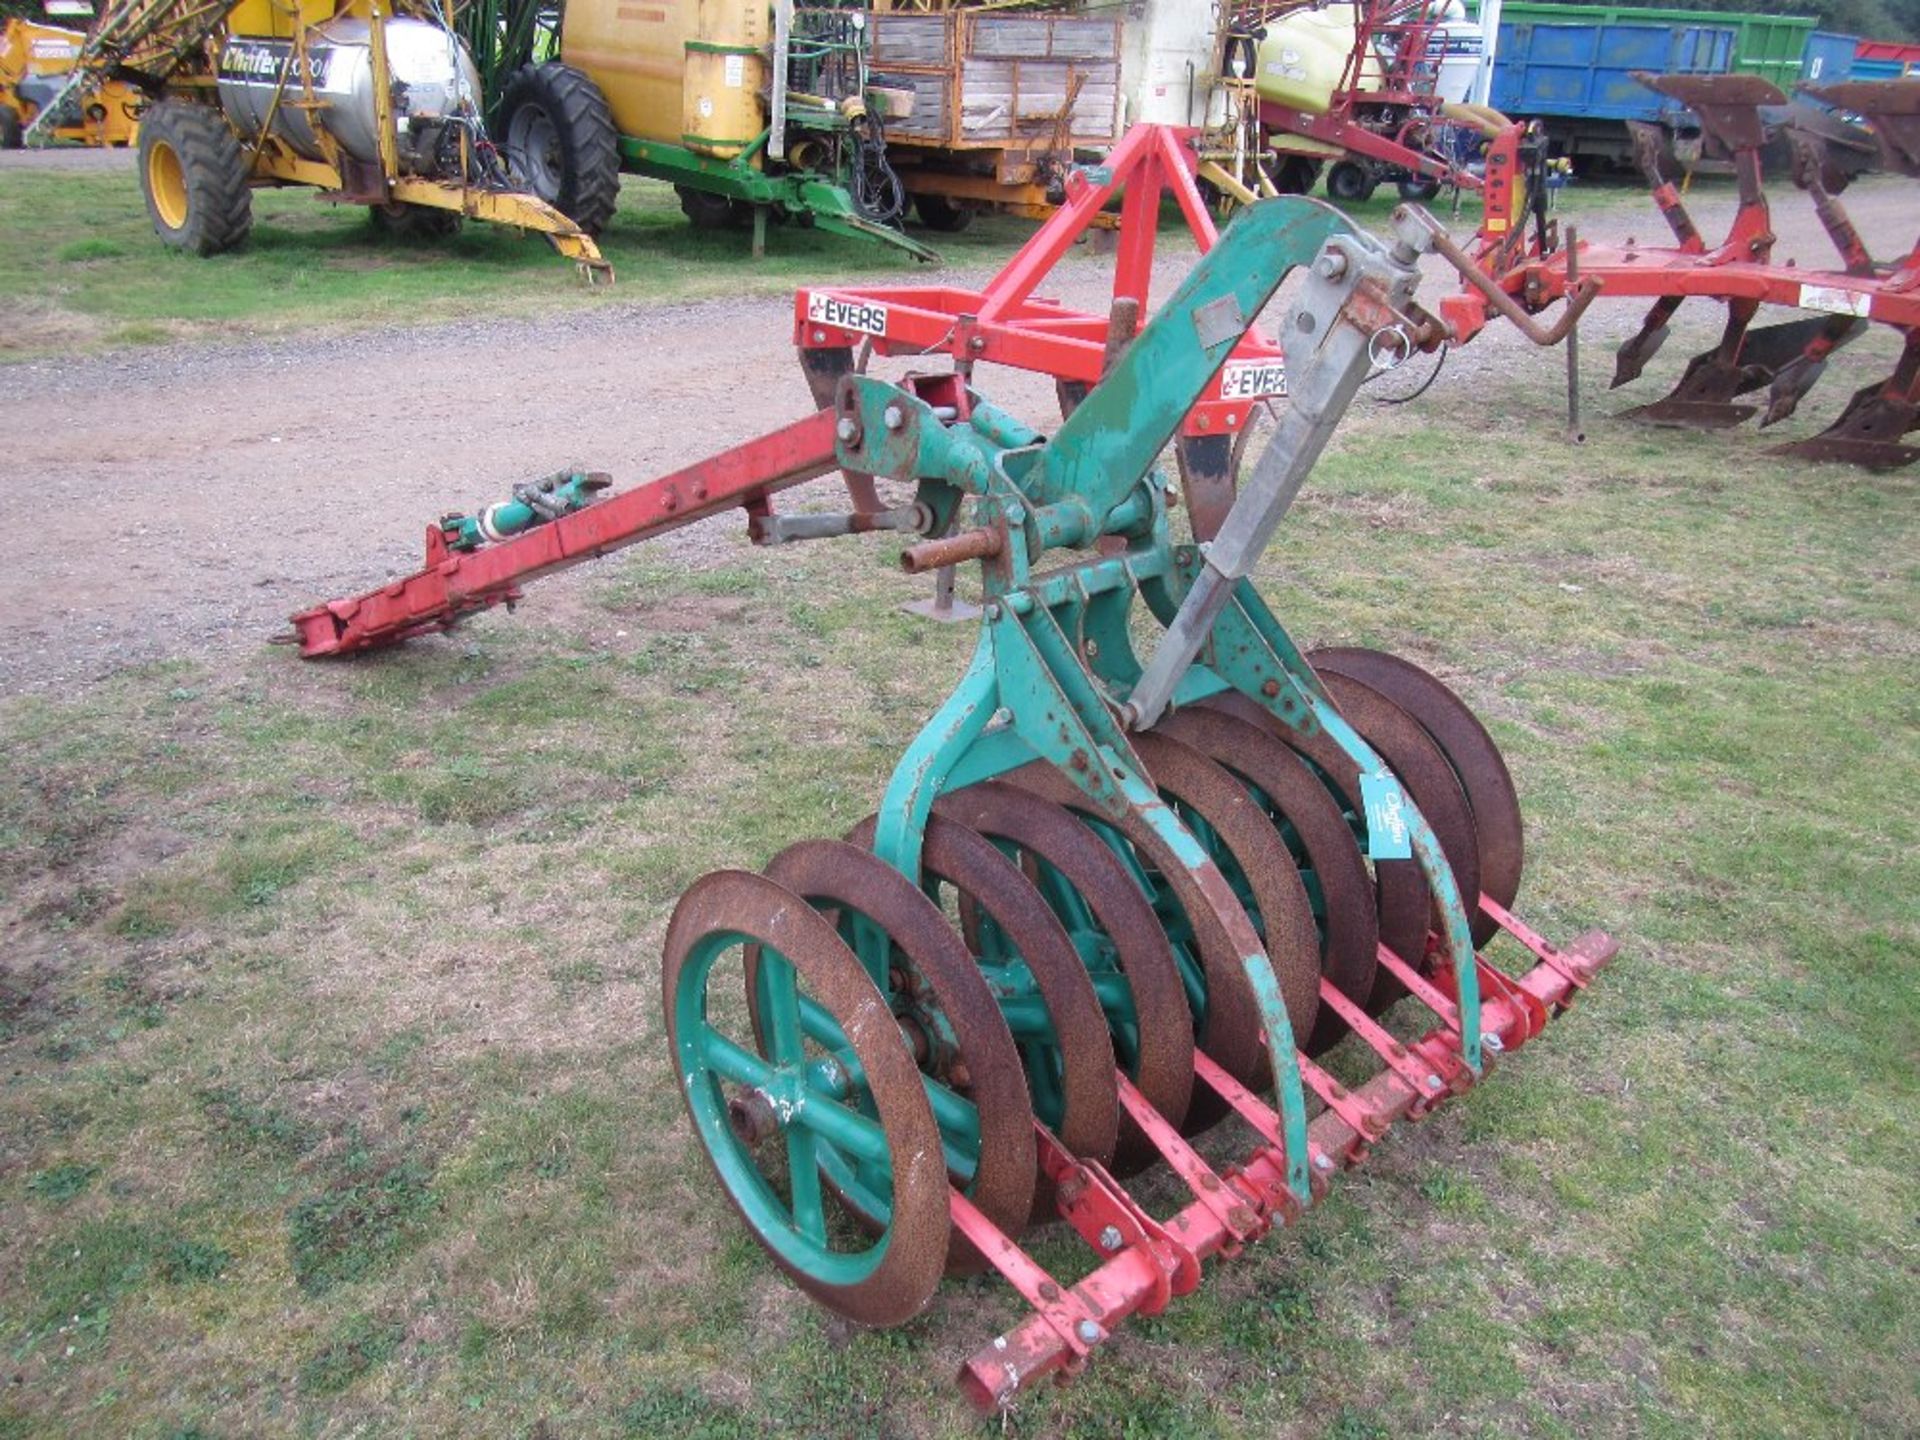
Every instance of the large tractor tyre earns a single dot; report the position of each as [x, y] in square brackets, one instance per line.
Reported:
[937, 212]
[194, 176]
[13, 134]
[561, 142]
[414, 224]
[1351, 183]
[707, 211]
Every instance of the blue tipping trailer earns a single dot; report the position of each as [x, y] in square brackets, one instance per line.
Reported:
[1829, 59]
[1577, 78]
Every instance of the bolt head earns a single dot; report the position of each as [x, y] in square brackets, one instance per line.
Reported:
[846, 429]
[1330, 266]
[1491, 1041]
[893, 417]
[1088, 1332]
[1433, 1082]
[1323, 1162]
[1110, 1239]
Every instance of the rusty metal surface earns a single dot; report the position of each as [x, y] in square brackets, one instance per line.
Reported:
[1412, 755]
[1399, 889]
[1869, 431]
[1726, 104]
[1163, 1068]
[1329, 849]
[1186, 777]
[1744, 361]
[1209, 475]
[1230, 1032]
[1476, 760]
[1089, 1121]
[740, 902]
[938, 975]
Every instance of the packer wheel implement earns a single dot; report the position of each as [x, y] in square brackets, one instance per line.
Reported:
[1117, 895]
[1137, 874]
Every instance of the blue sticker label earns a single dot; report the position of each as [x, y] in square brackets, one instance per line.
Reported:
[1386, 804]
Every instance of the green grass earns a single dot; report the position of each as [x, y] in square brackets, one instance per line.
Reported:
[80, 267]
[333, 1094]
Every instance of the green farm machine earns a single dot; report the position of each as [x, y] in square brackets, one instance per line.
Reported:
[844, 118]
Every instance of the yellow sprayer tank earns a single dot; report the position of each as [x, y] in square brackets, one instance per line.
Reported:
[690, 74]
[1304, 55]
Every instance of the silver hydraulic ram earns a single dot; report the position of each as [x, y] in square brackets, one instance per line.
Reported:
[1351, 314]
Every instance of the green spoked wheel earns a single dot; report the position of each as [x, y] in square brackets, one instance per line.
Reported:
[1476, 761]
[1112, 927]
[1037, 980]
[1309, 822]
[769, 1113]
[942, 1006]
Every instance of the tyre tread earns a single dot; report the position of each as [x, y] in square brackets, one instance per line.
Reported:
[591, 193]
[219, 198]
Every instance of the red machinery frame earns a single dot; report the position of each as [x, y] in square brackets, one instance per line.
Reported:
[1147, 1262]
[456, 583]
[1004, 323]
[1007, 323]
[1392, 39]
[1741, 273]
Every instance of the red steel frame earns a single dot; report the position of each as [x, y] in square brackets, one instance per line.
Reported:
[457, 583]
[1741, 273]
[1007, 323]
[1147, 1262]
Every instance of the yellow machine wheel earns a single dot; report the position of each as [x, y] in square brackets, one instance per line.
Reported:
[194, 177]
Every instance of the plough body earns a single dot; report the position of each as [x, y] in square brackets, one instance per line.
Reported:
[1742, 273]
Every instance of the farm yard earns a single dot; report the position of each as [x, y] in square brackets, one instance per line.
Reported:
[337, 1098]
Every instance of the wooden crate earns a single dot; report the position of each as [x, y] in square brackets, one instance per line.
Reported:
[1000, 81]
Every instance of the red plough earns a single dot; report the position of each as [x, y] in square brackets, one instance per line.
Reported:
[1742, 274]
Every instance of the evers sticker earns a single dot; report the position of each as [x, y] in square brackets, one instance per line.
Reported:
[1834, 300]
[861, 316]
[1252, 379]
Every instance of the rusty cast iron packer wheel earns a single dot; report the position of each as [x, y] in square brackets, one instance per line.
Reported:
[1117, 892]
[833, 1083]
